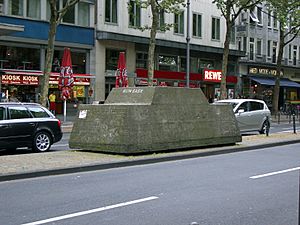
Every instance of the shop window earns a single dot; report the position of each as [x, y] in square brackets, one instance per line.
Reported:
[182, 64]
[179, 23]
[168, 63]
[215, 32]
[19, 58]
[111, 60]
[141, 60]
[111, 9]
[197, 25]
[78, 62]
[134, 11]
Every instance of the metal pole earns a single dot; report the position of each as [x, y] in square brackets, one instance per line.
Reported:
[188, 46]
[299, 201]
[65, 110]
[294, 123]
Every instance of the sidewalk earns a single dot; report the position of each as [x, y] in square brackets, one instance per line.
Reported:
[62, 162]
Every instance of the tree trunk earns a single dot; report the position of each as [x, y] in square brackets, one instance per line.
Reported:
[278, 71]
[223, 88]
[152, 42]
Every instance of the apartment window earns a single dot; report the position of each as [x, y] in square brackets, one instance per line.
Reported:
[290, 52]
[269, 49]
[161, 20]
[215, 32]
[134, 14]
[33, 9]
[111, 11]
[197, 25]
[275, 20]
[83, 14]
[232, 35]
[245, 44]
[269, 18]
[253, 17]
[251, 49]
[259, 15]
[258, 47]
[274, 52]
[179, 23]
[1, 6]
[69, 17]
[295, 55]
[16, 7]
[79, 14]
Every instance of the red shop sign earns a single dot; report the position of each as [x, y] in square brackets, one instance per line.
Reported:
[19, 79]
[212, 75]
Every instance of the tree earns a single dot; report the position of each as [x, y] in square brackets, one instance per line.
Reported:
[230, 10]
[157, 7]
[55, 19]
[288, 15]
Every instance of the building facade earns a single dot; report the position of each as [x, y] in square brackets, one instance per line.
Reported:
[258, 35]
[23, 43]
[117, 30]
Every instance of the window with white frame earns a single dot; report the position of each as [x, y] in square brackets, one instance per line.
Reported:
[1, 6]
[197, 25]
[290, 52]
[179, 23]
[111, 11]
[215, 29]
[274, 52]
[269, 48]
[269, 18]
[251, 49]
[161, 20]
[16, 7]
[259, 15]
[33, 9]
[275, 21]
[134, 11]
[258, 47]
[79, 14]
[295, 55]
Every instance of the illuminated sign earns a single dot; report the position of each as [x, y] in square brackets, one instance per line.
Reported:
[212, 75]
[19, 79]
[263, 71]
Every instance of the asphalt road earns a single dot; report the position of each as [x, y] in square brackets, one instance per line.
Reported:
[275, 128]
[223, 189]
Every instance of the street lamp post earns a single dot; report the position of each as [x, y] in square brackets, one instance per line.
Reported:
[188, 46]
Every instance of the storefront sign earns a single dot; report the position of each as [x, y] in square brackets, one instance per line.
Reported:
[77, 80]
[263, 71]
[19, 79]
[212, 75]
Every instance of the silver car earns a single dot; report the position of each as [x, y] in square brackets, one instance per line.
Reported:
[251, 114]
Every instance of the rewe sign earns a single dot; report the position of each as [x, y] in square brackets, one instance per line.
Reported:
[213, 75]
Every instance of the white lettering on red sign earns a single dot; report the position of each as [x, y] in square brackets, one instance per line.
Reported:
[213, 75]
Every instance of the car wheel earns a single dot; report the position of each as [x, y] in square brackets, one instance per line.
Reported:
[263, 128]
[42, 142]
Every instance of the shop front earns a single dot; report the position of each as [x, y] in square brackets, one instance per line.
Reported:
[259, 83]
[23, 86]
[209, 82]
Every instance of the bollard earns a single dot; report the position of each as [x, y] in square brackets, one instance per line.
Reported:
[279, 118]
[267, 126]
[294, 123]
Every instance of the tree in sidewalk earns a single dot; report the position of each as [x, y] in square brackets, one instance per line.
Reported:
[55, 19]
[158, 8]
[287, 13]
[230, 10]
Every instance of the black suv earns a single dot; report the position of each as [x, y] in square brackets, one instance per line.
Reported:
[28, 125]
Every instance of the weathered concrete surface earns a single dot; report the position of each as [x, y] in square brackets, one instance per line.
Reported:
[146, 119]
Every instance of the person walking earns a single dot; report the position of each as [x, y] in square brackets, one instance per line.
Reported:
[52, 100]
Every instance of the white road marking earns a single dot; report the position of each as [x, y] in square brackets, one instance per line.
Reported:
[275, 173]
[68, 216]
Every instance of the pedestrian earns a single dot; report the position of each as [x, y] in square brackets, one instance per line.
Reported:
[52, 99]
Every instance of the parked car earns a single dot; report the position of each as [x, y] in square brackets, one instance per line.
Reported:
[28, 125]
[251, 114]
